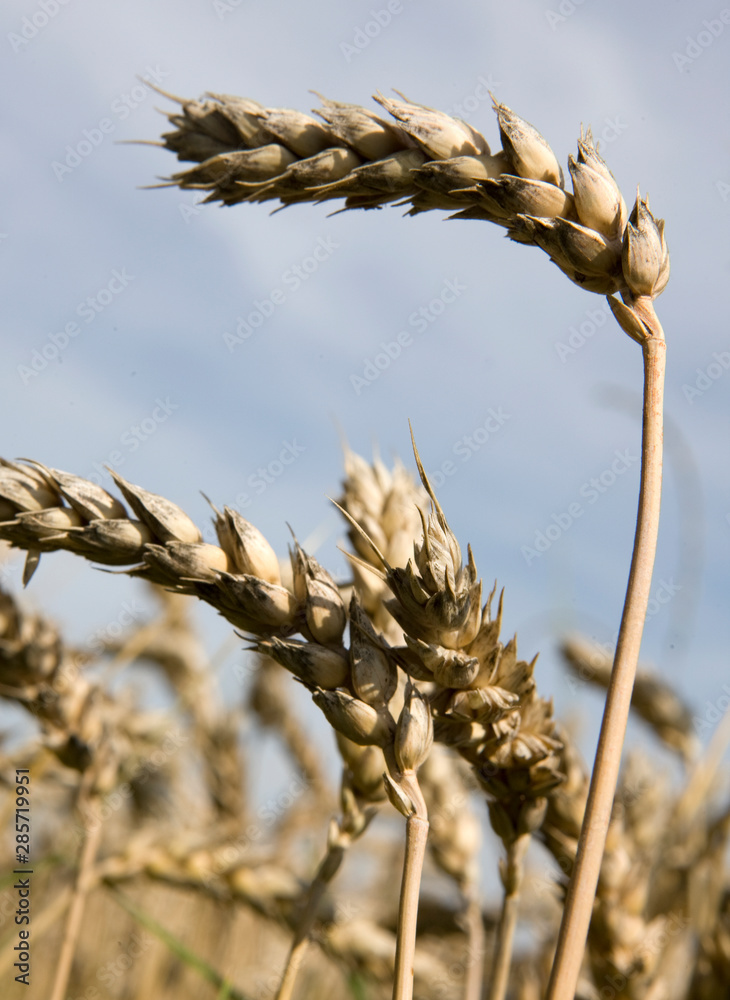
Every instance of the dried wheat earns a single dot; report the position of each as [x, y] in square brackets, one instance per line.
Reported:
[481, 697]
[429, 160]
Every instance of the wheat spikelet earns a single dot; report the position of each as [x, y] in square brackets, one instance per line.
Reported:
[428, 160]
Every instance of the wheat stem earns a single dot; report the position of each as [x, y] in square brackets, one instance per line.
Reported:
[474, 922]
[405, 793]
[584, 880]
[514, 870]
[325, 873]
[416, 838]
[92, 839]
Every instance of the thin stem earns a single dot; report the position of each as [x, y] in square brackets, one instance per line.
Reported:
[410, 889]
[92, 838]
[325, 873]
[514, 871]
[475, 946]
[405, 949]
[584, 880]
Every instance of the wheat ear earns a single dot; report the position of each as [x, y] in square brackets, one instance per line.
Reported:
[429, 160]
[475, 695]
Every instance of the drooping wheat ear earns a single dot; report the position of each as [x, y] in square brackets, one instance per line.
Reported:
[478, 689]
[77, 718]
[428, 160]
[653, 698]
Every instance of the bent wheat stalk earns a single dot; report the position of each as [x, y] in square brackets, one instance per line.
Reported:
[582, 886]
[428, 160]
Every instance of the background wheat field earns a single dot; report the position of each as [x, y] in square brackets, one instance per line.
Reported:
[231, 351]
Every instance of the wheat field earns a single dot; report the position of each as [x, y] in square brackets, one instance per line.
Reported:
[196, 828]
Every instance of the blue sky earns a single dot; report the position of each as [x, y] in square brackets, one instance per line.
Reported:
[521, 390]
